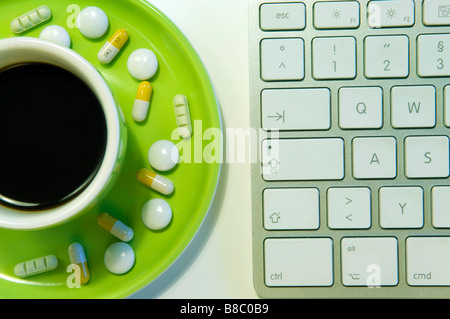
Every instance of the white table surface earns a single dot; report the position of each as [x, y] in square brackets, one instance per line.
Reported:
[218, 262]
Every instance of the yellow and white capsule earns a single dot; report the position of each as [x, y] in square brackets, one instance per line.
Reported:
[182, 115]
[30, 19]
[36, 266]
[155, 181]
[78, 258]
[112, 46]
[142, 101]
[115, 227]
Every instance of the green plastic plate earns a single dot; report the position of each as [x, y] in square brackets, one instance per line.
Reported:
[180, 72]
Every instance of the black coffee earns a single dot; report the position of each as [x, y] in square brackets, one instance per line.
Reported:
[52, 136]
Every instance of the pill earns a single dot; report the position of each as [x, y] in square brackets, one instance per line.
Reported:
[119, 258]
[182, 115]
[115, 227]
[30, 19]
[78, 258]
[156, 214]
[163, 155]
[92, 22]
[142, 101]
[155, 181]
[142, 64]
[57, 34]
[112, 46]
[36, 266]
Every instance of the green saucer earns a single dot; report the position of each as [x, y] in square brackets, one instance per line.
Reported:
[195, 179]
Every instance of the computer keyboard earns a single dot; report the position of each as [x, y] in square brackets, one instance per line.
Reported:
[350, 189]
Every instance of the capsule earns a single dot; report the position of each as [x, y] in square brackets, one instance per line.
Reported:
[182, 115]
[115, 227]
[36, 266]
[112, 46]
[142, 101]
[155, 181]
[77, 257]
[30, 19]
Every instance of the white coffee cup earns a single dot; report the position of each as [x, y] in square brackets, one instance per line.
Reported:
[20, 50]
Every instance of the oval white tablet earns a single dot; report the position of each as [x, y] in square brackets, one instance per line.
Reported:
[163, 155]
[142, 64]
[92, 22]
[119, 258]
[156, 214]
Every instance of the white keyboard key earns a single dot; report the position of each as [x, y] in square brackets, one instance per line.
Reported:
[428, 261]
[447, 105]
[413, 106]
[436, 12]
[360, 107]
[296, 109]
[374, 157]
[426, 156]
[440, 206]
[299, 262]
[370, 261]
[336, 14]
[433, 55]
[282, 59]
[349, 208]
[334, 58]
[386, 56]
[390, 13]
[291, 208]
[303, 159]
[401, 207]
[282, 16]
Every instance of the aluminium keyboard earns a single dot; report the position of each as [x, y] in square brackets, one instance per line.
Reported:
[351, 190]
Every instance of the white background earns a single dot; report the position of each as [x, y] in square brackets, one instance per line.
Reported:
[218, 262]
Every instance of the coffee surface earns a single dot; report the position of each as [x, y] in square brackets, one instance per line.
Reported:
[52, 136]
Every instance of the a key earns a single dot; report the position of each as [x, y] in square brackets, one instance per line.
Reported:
[334, 57]
[360, 107]
[401, 207]
[303, 159]
[336, 14]
[433, 55]
[291, 208]
[374, 157]
[390, 13]
[426, 156]
[428, 261]
[296, 109]
[386, 56]
[298, 262]
[282, 59]
[349, 208]
[371, 261]
[413, 106]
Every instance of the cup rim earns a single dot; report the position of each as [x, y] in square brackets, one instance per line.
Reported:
[27, 49]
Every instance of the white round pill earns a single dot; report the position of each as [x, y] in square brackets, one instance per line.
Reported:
[57, 34]
[156, 214]
[163, 155]
[92, 22]
[142, 64]
[119, 258]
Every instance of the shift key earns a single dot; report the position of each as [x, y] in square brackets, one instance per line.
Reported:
[302, 159]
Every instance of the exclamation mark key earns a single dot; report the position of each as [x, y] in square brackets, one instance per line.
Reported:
[282, 59]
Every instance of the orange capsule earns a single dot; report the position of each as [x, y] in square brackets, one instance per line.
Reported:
[142, 101]
[78, 258]
[112, 46]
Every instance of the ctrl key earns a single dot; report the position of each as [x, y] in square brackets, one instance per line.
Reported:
[299, 262]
